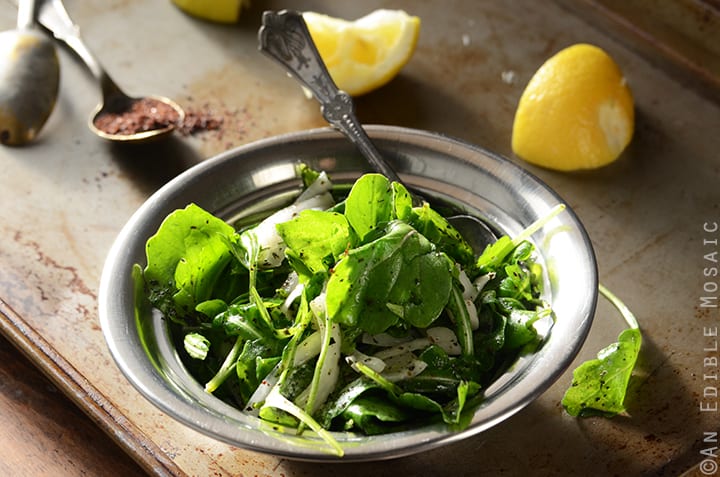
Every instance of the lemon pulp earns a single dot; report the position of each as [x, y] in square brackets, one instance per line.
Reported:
[364, 54]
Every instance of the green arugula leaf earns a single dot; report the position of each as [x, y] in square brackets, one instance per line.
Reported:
[211, 308]
[599, 385]
[400, 269]
[461, 318]
[369, 205]
[243, 320]
[401, 202]
[186, 258]
[254, 363]
[494, 254]
[375, 414]
[439, 231]
[450, 412]
[519, 329]
[227, 367]
[317, 238]
[335, 406]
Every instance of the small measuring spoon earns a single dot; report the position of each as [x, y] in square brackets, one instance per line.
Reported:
[159, 115]
[285, 38]
[29, 79]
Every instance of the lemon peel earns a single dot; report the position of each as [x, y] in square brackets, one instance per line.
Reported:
[221, 11]
[577, 112]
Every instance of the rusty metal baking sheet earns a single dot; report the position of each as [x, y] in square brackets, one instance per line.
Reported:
[653, 218]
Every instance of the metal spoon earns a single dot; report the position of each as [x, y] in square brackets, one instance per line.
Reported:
[29, 79]
[55, 18]
[285, 38]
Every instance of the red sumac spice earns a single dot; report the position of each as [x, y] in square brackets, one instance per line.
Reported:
[145, 114]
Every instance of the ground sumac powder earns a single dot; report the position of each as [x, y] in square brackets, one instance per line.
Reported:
[145, 114]
[200, 121]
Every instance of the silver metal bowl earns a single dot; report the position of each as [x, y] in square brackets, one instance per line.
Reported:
[260, 176]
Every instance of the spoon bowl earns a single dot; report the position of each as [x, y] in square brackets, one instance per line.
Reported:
[29, 79]
[129, 119]
[122, 118]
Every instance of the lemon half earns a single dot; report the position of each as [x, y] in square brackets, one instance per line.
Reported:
[576, 112]
[366, 53]
[221, 11]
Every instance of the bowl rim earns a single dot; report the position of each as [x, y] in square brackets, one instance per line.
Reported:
[153, 385]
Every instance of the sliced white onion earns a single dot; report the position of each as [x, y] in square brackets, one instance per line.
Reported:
[473, 314]
[294, 294]
[416, 344]
[307, 349]
[319, 186]
[261, 392]
[384, 339]
[445, 338]
[329, 373]
[469, 290]
[483, 280]
[318, 306]
[410, 370]
[372, 362]
[291, 282]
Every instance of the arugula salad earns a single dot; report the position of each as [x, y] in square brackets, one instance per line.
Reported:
[364, 313]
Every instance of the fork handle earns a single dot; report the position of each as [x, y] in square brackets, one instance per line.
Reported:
[284, 37]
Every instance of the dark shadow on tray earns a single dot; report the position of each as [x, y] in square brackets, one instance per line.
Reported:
[153, 164]
[408, 101]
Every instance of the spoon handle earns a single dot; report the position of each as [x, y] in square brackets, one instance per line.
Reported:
[55, 18]
[26, 14]
[284, 37]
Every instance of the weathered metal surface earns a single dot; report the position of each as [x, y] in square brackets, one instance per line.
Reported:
[650, 215]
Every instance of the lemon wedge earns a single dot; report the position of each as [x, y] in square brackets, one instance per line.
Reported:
[576, 112]
[221, 11]
[364, 54]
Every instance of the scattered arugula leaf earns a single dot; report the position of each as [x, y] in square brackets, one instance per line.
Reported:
[599, 386]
